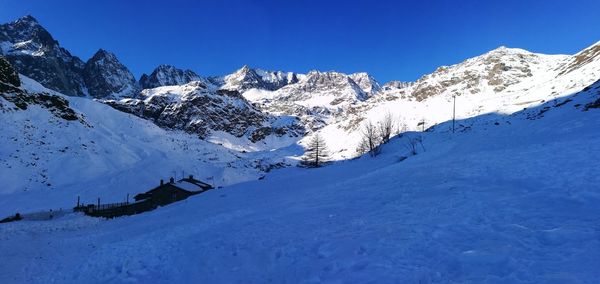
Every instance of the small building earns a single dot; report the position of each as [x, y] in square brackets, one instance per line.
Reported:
[173, 191]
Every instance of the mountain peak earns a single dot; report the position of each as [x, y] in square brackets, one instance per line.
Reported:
[168, 75]
[27, 19]
[503, 50]
[165, 67]
[103, 53]
[106, 77]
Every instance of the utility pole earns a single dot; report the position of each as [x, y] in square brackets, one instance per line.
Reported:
[453, 113]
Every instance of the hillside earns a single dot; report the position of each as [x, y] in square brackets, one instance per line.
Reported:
[506, 199]
[506, 194]
[48, 161]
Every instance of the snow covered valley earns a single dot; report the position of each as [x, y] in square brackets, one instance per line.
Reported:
[506, 200]
[511, 196]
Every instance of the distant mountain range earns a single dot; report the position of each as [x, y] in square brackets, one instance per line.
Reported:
[257, 106]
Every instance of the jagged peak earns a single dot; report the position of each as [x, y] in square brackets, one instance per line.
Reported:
[27, 19]
[103, 54]
[165, 67]
[324, 73]
[243, 70]
[502, 50]
[362, 75]
[172, 68]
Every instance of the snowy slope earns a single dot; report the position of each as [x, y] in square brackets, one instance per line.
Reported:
[512, 202]
[47, 161]
[504, 80]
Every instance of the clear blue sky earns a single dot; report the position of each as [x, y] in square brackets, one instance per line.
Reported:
[392, 40]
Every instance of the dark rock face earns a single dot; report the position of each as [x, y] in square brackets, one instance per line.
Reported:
[106, 77]
[10, 91]
[200, 110]
[9, 78]
[56, 105]
[167, 75]
[34, 53]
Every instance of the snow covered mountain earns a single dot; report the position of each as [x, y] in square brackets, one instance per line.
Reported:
[168, 75]
[106, 77]
[508, 198]
[56, 144]
[35, 53]
[366, 82]
[504, 80]
[247, 78]
[203, 110]
[256, 110]
[489, 73]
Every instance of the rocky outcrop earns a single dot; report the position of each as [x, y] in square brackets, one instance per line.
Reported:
[489, 73]
[167, 75]
[10, 91]
[106, 77]
[366, 82]
[197, 109]
[9, 78]
[247, 78]
[35, 53]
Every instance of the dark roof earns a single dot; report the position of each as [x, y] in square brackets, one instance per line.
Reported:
[187, 185]
[166, 186]
[199, 183]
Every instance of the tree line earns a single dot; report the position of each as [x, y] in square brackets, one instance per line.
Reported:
[373, 136]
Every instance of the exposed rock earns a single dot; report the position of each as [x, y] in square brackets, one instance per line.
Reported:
[9, 78]
[106, 77]
[167, 75]
[197, 109]
[366, 82]
[247, 78]
[33, 52]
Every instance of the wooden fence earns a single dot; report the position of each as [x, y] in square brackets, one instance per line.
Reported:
[112, 210]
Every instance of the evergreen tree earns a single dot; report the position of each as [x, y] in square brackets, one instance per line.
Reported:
[316, 152]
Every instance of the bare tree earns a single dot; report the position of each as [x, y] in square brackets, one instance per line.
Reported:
[316, 153]
[386, 126]
[401, 127]
[413, 144]
[370, 140]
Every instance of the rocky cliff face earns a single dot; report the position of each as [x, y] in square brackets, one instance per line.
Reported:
[167, 75]
[34, 53]
[198, 109]
[489, 73]
[366, 82]
[106, 77]
[247, 78]
[13, 98]
[9, 78]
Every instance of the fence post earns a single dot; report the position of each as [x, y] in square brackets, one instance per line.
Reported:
[78, 201]
[98, 203]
